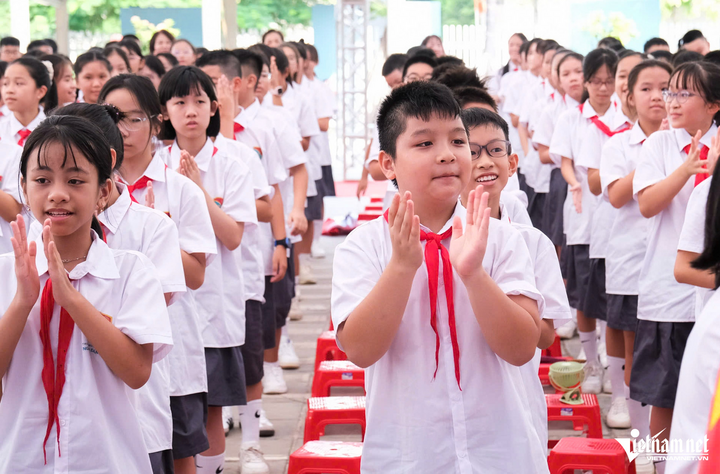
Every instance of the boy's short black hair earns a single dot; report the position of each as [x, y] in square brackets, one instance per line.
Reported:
[610, 42]
[685, 56]
[469, 94]
[250, 61]
[170, 58]
[259, 49]
[476, 117]
[179, 82]
[9, 41]
[224, 59]
[419, 58]
[200, 51]
[454, 60]
[51, 42]
[418, 99]
[423, 51]
[461, 76]
[689, 37]
[654, 42]
[36, 44]
[711, 57]
[661, 54]
[394, 62]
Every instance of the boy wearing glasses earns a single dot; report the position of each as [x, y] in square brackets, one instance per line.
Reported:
[439, 303]
[493, 163]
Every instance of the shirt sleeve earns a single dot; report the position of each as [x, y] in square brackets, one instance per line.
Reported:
[542, 134]
[561, 144]
[291, 151]
[591, 149]
[374, 148]
[612, 162]
[325, 100]
[692, 236]
[309, 126]
[11, 174]
[162, 247]
[238, 198]
[549, 281]
[650, 169]
[194, 226]
[143, 315]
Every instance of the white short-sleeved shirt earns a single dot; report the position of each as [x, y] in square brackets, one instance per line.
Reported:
[131, 226]
[325, 106]
[545, 126]
[374, 155]
[589, 157]
[570, 131]
[250, 257]
[692, 235]
[99, 431]
[697, 384]
[10, 127]
[441, 429]
[512, 208]
[180, 199]
[629, 229]
[539, 174]
[221, 301]
[10, 184]
[661, 297]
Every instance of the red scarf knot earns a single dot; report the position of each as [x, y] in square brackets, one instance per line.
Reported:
[53, 379]
[139, 184]
[237, 128]
[603, 127]
[24, 133]
[700, 177]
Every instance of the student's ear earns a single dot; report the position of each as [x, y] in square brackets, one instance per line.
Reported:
[104, 197]
[387, 165]
[630, 101]
[213, 108]
[251, 82]
[23, 185]
[113, 155]
[513, 161]
[713, 108]
[163, 116]
[236, 84]
[40, 94]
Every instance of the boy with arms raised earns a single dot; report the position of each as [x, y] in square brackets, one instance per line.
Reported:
[442, 324]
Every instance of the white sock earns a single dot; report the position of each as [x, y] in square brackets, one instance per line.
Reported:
[589, 344]
[639, 415]
[272, 364]
[285, 331]
[317, 231]
[210, 464]
[250, 421]
[617, 376]
[603, 326]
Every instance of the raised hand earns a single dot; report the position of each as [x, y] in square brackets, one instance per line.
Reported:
[150, 196]
[693, 164]
[28, 281]
[467, 247]
[577, 197]
[226, 98]
[63, 291]
[189, 168]
[404, 226]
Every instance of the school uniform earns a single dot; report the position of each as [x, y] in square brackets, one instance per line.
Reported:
[696, 386]
[614, 122]
[628, 232]
[567, 141]
[130, 226]
[511, 89]
[552, 220]
[250, 259]
[512, 208]
[326, 106]
[11, 130]
[10, 184]
[488, 425]
[96, 429]
[220, 300]
[548, 280]
[390, 190]
[666, 308]
[692, 235]
[539, 172]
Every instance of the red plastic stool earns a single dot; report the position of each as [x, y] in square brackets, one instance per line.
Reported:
[586, 414]
[600, 455]
[327, 349]
[336, 373]
[326, 456]
[555, 350]
[333, 410]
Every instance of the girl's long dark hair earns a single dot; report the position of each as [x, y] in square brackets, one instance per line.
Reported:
[709, 259]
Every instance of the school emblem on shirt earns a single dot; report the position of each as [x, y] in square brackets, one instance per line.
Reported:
[218, 201]
[167, 213]
[89, 348]
[106, 316]
[258, 150]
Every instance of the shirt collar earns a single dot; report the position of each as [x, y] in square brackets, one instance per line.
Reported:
[684, 139]
[248, 114]
[570, 102]
[100, 261]
[504, 215]
[588, 111]
[156, 169]
[637, 136]
[202, 159]
[113, 215]
[458, 211]
[16, 126]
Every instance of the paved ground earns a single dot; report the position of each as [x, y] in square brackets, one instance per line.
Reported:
[287, 412]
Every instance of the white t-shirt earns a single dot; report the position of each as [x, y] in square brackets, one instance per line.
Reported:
[696, 385]
[325, 107]
[181, 200]
[10, 127]
[661, 297]
[131, 226]
[628, 232]
[692, 235]
[221, 300]
[99, 428]
[10, 184]
[514, 209]
[489, 422]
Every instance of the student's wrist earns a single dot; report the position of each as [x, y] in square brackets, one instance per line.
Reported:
[18, 306]
[401, 268]
[478, 278]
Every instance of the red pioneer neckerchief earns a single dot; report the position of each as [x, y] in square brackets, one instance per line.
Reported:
[700, 177]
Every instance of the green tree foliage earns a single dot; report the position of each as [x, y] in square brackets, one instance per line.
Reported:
[258, 14]
[458, 12]
[614, 24]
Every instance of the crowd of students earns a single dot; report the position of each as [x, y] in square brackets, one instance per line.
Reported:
[165, 205]
[564, 192]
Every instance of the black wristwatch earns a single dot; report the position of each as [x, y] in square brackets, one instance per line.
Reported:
[284, 242]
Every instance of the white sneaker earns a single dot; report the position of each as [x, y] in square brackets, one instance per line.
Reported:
[273, 381]
[286, 354]
[252, 461]
[602, 352]
[643, 465]
[581, 355]
[593, 378]
[228, 421]
[618, 415]
[316, 250]
[567, 330]
[306, 276]
[266, 427]
[295, 311]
